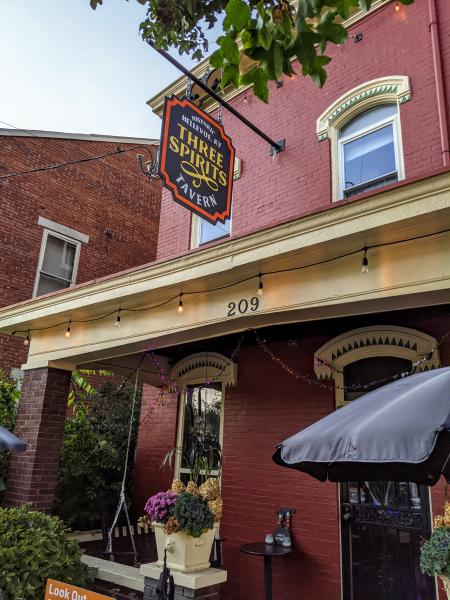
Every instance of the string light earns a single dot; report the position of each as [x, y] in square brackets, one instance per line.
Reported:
[260, 291]
[26, 341]
[364, 269]
[365, 263]
[180, 305]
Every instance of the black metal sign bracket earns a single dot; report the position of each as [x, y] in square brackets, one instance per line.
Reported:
[275, 147]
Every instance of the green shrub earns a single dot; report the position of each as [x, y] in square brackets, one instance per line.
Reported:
[92, 457]
[435, 553]
[33, 548]
[9, 398]
[192, 514]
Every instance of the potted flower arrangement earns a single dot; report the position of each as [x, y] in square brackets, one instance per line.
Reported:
[183, 519]
[435, 552]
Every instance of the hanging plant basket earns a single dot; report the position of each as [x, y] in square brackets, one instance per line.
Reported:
[184, 552]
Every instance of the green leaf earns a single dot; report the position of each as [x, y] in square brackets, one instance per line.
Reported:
[331, 31]
[230, 74]
[238, 13]
[258, 77]
[216, 59]
[230, 50]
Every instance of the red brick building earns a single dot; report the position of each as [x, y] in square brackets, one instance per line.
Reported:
[94, 217]
[365, 174]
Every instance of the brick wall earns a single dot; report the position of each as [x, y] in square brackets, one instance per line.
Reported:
[265, 407]
[298, 182]
[32, 475]
[157, 436]
[110, 193]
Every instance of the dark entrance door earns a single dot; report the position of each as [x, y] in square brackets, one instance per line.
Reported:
[382, 522]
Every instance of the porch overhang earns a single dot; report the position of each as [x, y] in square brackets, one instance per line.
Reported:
[305, 280]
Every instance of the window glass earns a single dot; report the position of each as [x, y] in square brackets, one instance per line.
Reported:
[209, 232]
[57, 266]
[369, 157]
[368, 150]
[201, 427]
[367, 370]
[368, 118]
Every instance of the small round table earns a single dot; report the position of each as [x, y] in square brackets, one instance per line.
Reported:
[266, 550]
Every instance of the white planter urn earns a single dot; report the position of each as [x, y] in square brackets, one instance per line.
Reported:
[184, 552]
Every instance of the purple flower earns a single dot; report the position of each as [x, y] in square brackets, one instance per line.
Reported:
[158, 506]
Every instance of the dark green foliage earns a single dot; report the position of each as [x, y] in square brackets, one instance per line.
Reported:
[33, 548]
[93, 455]
[435, 553]
[192, 514]
[9, 397]
[272, 33]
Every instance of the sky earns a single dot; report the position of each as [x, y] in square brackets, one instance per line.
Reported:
[65, 67]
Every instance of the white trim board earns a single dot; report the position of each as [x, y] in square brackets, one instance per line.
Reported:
[63, 230]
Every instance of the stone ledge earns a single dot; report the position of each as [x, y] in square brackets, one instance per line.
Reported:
[113, 572]
[194, 581]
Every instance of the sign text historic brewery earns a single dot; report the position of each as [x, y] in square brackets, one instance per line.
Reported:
[196, 160]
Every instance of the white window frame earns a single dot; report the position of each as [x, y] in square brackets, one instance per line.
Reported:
[196, 369]
[195, 232]
[196, 221]
[65, 238]
[395, 121]
[178, 469]
[394, 89]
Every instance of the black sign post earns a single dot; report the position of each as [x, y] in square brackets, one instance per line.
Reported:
[196, 160]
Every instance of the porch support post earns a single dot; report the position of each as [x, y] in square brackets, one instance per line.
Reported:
[33, 474]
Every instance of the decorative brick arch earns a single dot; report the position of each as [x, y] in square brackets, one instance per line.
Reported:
[362, 97]
[202, 367]
[370, 342]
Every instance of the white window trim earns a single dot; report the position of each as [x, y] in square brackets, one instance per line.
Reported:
[195, 232]
[63, 230]
[178, 470]
[195, 370]
[372, 342]
[66, 238]
[196, 221]
[394, 89]
[395, 121]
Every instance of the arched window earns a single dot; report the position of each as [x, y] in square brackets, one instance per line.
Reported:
[372, 353]
[202, 379]
[368, 150]
[363, 127]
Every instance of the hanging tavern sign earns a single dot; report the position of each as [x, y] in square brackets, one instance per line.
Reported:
[196, 160]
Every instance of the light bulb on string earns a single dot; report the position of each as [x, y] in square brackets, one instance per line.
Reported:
[365, 263]
[180, 305]
[260, 291]
[26, 341]
[67, 334]
[117, 323]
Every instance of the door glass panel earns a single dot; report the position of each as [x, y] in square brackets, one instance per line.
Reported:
[201, 430]
[383, 521]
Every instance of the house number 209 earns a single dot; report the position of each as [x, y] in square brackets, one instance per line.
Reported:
[243, 306]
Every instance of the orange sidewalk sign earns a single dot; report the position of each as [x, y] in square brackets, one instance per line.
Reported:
[64, 591]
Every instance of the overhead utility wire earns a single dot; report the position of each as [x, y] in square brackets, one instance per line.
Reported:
[72, 162]
[40, 137]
